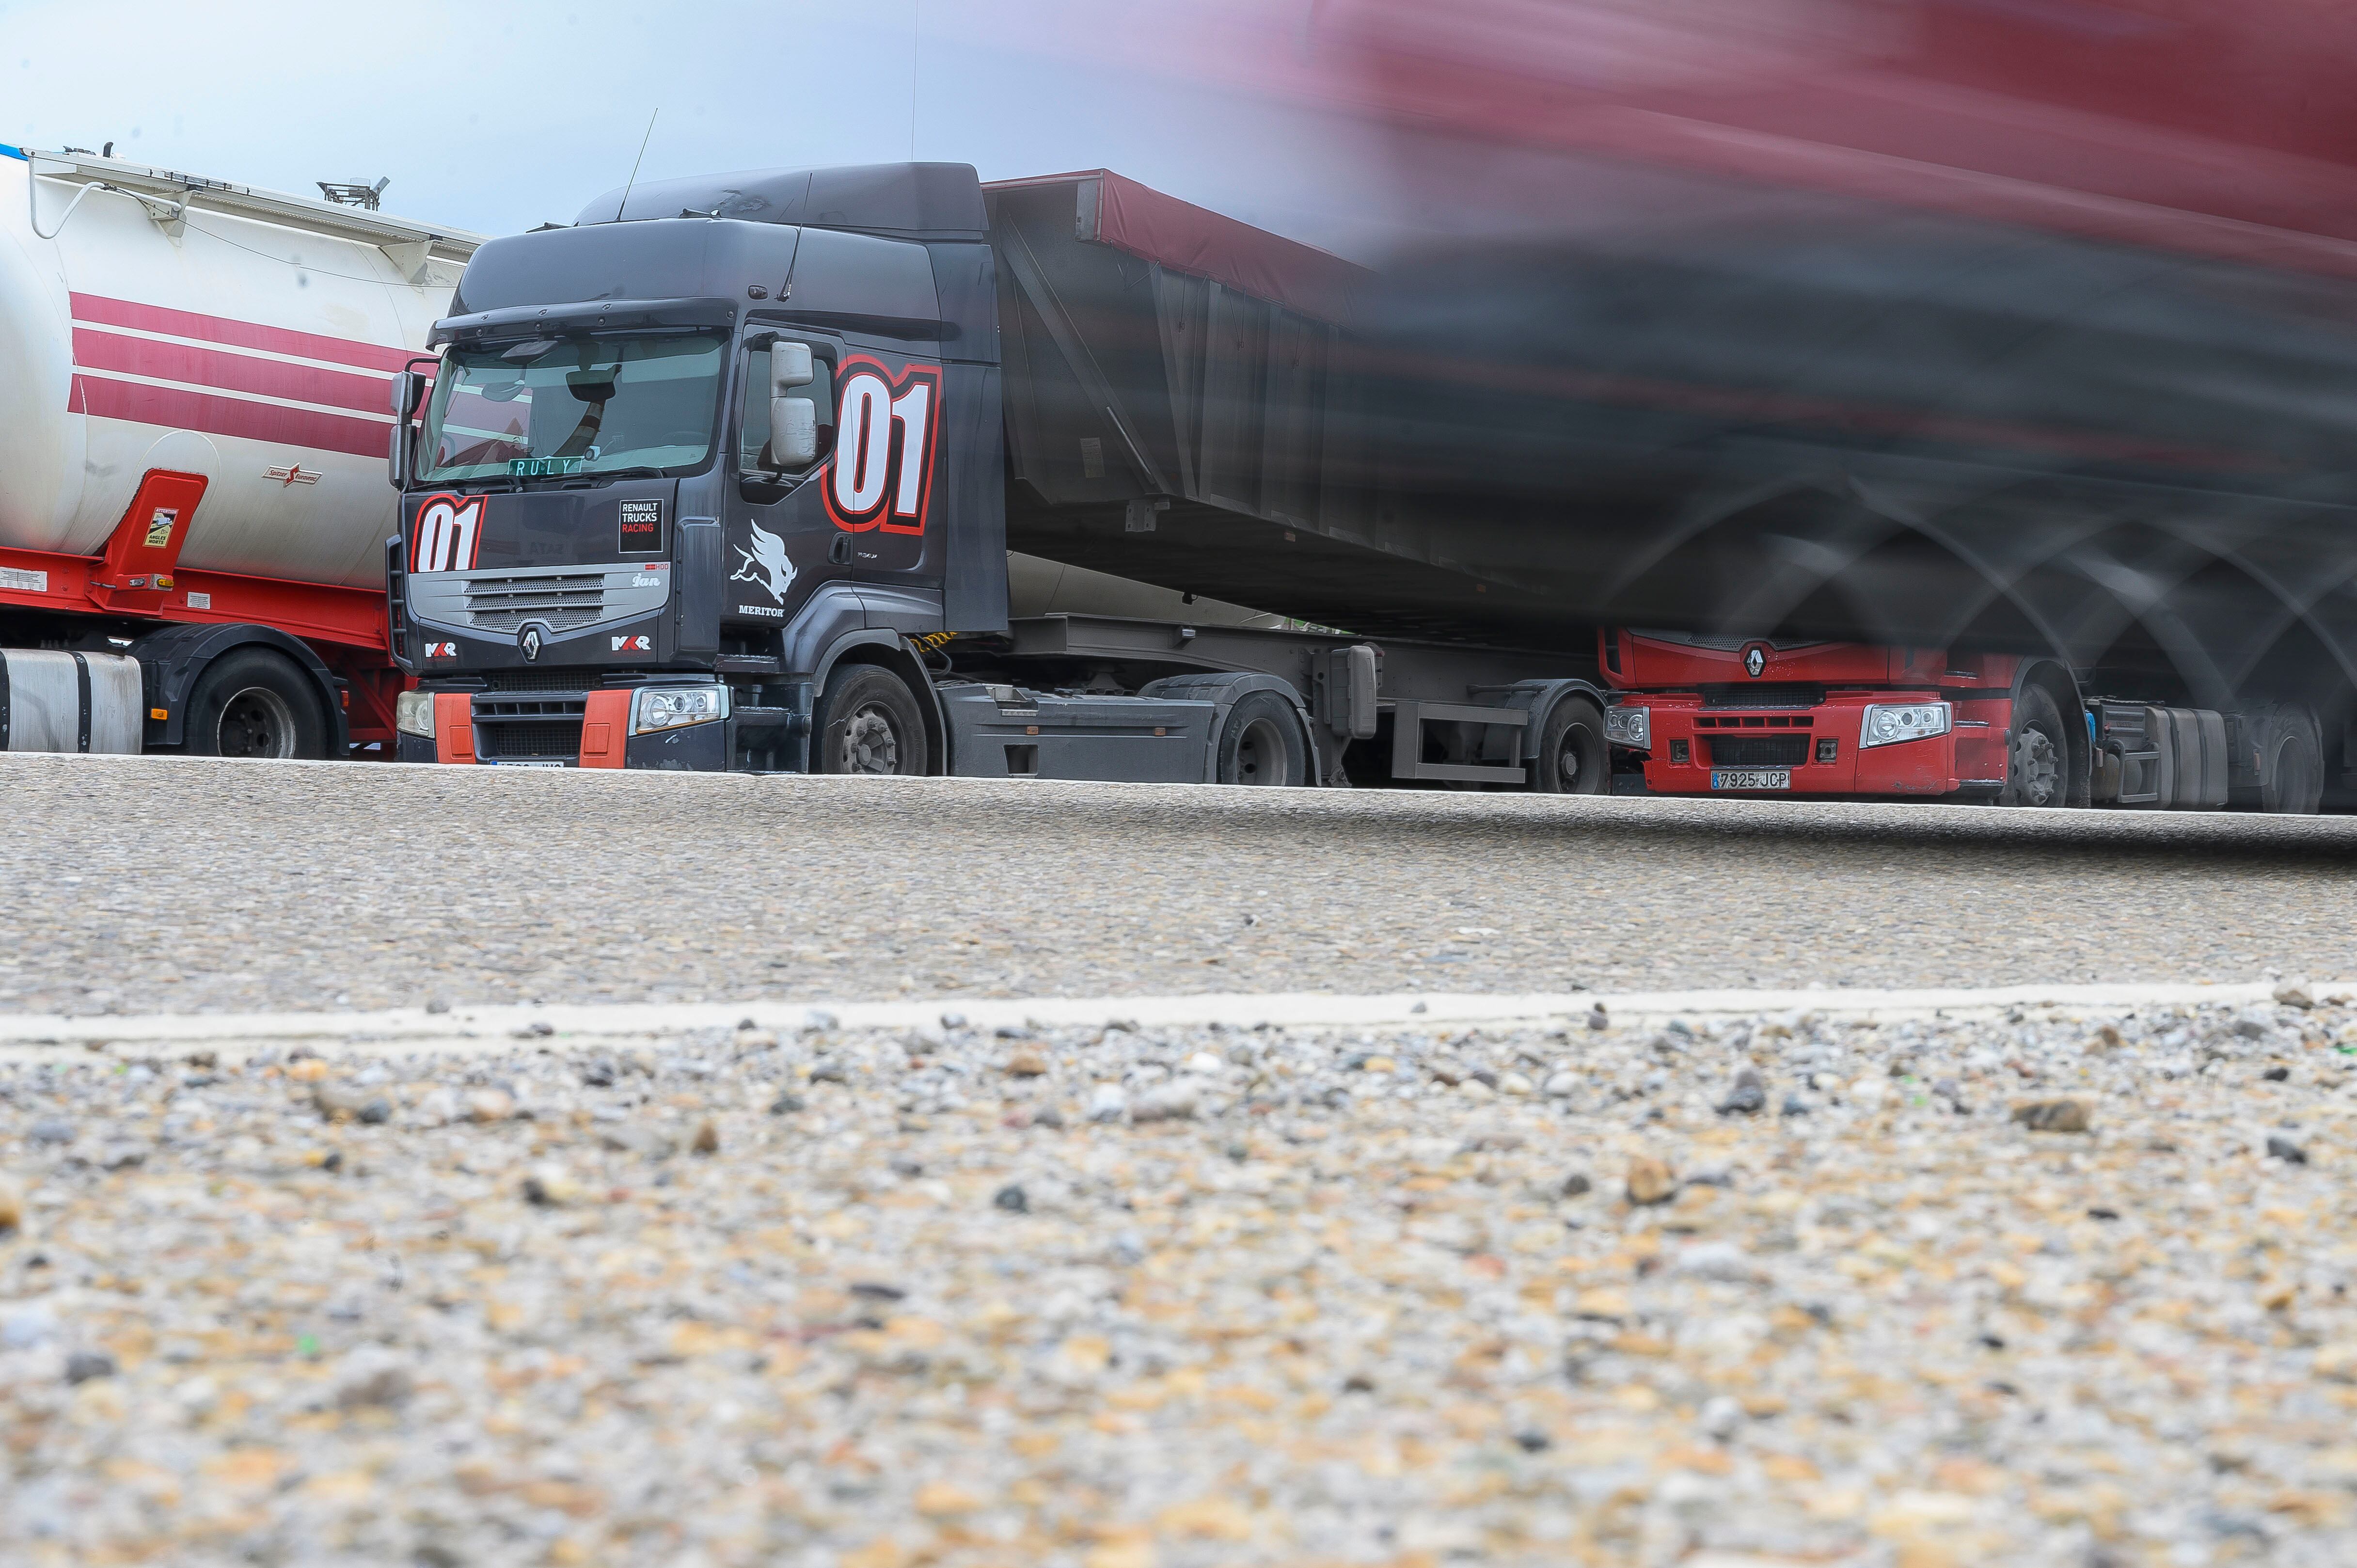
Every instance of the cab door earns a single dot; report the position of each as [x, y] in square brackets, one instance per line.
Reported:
[780, 542]
[884, 477]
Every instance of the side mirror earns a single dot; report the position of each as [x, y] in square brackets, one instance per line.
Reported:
[789, 366]
[408, 393]
[794, 427]
[401, 458]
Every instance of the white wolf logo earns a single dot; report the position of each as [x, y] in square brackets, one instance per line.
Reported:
[766, 563]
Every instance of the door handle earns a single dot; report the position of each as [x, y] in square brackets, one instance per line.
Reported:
[839, 551]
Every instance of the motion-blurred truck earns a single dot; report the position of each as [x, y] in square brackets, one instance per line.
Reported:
[724, 474]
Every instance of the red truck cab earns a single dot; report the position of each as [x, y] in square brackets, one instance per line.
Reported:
[1754, 715]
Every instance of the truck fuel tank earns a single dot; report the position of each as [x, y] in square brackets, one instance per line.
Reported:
[1012, 731]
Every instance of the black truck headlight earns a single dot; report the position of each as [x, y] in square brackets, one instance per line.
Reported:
[675, 707]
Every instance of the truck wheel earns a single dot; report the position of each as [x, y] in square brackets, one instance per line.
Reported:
[1262, 742]
[1573, 758]
[2037, 770]
[254, 702]
[2291, 766]
[868, 723]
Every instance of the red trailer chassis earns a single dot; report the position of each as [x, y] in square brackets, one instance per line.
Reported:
[345, 627]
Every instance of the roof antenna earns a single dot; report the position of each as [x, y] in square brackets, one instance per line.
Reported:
[634, 165]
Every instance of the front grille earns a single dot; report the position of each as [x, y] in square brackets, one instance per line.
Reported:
[560, 603]
[1757, 750]
[538, 681]
[530, 737]
[1772, 694]
[497, 708]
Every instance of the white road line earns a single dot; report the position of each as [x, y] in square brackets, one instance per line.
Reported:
[1292, 1010]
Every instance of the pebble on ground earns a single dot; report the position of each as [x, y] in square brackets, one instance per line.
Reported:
[1121, 1299]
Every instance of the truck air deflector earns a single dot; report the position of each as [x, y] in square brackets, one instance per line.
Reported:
[902, 200]
[605, 316]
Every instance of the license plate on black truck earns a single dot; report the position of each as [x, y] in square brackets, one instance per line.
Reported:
[1751, 778]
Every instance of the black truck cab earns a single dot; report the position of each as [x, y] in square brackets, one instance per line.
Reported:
[600, 510]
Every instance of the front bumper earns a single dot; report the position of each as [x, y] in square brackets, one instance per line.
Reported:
[1817, 747]
[562, 729]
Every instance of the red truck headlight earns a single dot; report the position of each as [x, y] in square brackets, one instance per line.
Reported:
[1631, 727]
[1888, 724]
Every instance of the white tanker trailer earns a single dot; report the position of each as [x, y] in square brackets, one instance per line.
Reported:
[194, 418]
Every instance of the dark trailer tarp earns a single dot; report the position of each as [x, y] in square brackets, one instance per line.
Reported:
[1187, 405]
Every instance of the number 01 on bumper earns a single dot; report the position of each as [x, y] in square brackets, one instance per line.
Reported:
[1751, 778]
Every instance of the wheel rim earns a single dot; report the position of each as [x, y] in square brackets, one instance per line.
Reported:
[2037, 764]
[870, 743]
[256, 722]
[1260, 753]
[1568, 776]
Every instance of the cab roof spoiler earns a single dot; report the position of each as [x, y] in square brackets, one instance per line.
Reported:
[895, 201]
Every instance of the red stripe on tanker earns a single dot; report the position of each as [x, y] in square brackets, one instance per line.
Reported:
[99, 350]
[218, 415]
[96, 310]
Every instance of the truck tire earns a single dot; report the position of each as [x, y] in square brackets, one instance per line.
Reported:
[2038, 764]
[2291, 763]
[1262, 743]
[252, 702]
[1573, 757]
[869, 722]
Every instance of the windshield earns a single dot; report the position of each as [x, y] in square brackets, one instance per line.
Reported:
[573, 405]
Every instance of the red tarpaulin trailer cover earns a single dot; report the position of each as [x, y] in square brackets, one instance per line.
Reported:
[1120, 213]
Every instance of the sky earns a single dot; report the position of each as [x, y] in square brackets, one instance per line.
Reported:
[499, 117]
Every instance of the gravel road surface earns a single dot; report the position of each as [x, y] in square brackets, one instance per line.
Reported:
[2064, 1291]
[2066, 1286]
[171, 885]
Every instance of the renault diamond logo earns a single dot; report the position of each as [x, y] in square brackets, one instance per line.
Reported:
[1755, 660]
[528, 641]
